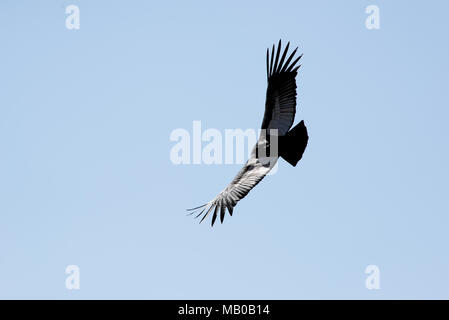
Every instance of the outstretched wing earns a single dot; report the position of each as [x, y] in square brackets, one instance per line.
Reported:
[280, 109]
[280, 104]
[248, 177]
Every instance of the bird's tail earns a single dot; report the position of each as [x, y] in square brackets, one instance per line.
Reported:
[293, 144]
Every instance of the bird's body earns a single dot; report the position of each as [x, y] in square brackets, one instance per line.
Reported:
[280, 110]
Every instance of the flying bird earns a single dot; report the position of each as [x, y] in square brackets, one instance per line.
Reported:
[280, 110]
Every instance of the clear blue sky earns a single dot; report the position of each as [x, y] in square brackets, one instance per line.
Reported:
[86, 178]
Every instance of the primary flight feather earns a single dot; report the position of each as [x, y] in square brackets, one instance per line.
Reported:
[280, 110]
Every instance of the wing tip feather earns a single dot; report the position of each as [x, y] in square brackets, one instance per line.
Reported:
[276, 66]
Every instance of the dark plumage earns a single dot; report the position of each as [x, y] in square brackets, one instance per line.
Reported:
[280, 110]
